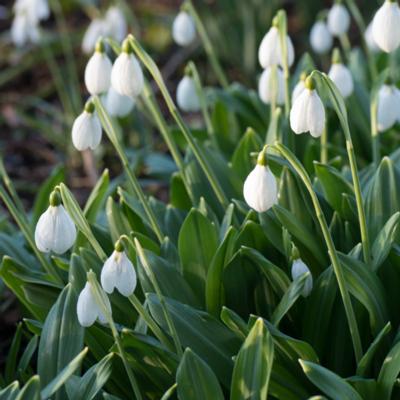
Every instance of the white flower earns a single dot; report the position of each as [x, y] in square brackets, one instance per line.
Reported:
[183, 29]
[94, 31]
[338, 20]
[342, 78]
[86, 130]
[388, 107]
[298, 89]
[36, 10]
[270, 52]
[260, 189]
[55, 230]
[118, 272]
[118, 105]
[98, 72]
[186, 95]
[308, 113]
[87, 309]
[266, 86]
[386, 26]
[127, 75]
[320, 38]
[369, 39]
[115, 25]
[298, 269]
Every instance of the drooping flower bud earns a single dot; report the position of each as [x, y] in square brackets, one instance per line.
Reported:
[55, 230]
[127, 75]
[186, 95]
[320, 38]
[341, 75]
[386, 26]
[270, 83]
[87, 309]
[183, 29]
[260, 189]
[299, 268]
[388, 107]
[86, 130]
[308, 113]
[338, 19]
[118, 272]
[98, 71]
[118, 105]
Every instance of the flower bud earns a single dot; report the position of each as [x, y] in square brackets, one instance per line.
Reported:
[186, 95]
[118, 105]
[386, 26]
[341, 76]
[266, 86]
[299, 268]
[388, 107]
[183, 29]
[86, 130]
[320, 38]
[338, 20]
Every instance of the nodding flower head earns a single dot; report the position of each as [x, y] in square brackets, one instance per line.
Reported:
[341, 75]
[272, 85]
[183, 29]
[321, 39]
[338, 19]
[186, 95]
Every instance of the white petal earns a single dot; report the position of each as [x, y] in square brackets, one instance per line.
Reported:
[19, 30]
[86, 307]
[98, 73]
[299, 268]
[266, 86]
[298, 120]
[115, 23]
[388, 107]
[118, 105]
[342, 78]
[320, 38]
[386, 27]
[268, 52]
[127, 75]
[44, 231]
[315, 115]
[64, 231]
[369, 39]
[86, 131]
[183, 29]
[95, 30]
[108, 273]
[298, 89]
[186, 95]
[260, 189]
[338, 20]
[126, 278]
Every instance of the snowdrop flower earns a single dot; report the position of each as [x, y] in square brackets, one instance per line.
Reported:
[270, 51]
[308, 113]
[87, 309]
[299, 268]
[94, 31]
[300, 86]
[260, 189]
[86, 130]
[369, 39]
[320, 38]
[183, 29]
[127, 75]
[388, 107]
[338, 19]
[118, 105]
[37, 10]
[55, 230]
[98, 71]
[118, 272]
[115, 24]
[186, 95]
[341, 75]
[386, 26]
[268, 80]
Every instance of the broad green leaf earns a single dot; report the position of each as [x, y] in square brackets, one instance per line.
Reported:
[12, 355]
[31, 390]
[253, 365]
[234, 322]
[10, 392]
[389, 372]
[97, 197]
[196, 380]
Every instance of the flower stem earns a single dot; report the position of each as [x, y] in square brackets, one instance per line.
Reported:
[197, 151]
[324, 146]
[208, 47]
[346, 45]
[160, 296]
[374, 132]
[112, 135]
[351, 318]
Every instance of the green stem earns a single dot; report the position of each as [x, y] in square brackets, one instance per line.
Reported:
[112, 135]
[155, 72]
[157, 289]
[208, 47]
[98, 294]
[351, 318]
[26, 230]
[346, 45]
[324, 146]
[374, 132]
[203, 102]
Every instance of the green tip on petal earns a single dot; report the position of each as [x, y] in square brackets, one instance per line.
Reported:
[303, 76]
[119, 246]
[55, 198]
[100, 46]
[336, 56]
[310, 83]
[89, 107]
[275, 22]
[295, 252]
[262, 157]
[126, 46]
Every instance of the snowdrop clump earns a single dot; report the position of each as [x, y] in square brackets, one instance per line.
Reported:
[271, 86]
[260, 189]
[55, 231]
[86, 130]
[186, 95]
[183, 29]
[25, 26]
[308, 112]
[338, 20]
[388, 107]
[341, 75]
[321, 39]
[386, 26]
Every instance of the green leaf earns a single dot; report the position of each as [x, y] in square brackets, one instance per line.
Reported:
[196, 259]
[389, 372]
[253, 365]
[97, 197]
[331, 384]
[31, 390]
[12, 355]
[10, 392]
[196, 380]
